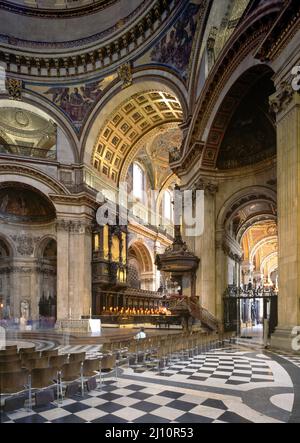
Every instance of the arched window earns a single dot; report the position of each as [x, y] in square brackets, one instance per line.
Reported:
[167, 206]
[138, 182]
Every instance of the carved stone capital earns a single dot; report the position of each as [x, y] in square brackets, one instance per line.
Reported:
[282, 97]
[74, 226]
[207, 186]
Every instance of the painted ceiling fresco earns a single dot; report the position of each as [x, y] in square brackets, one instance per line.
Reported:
[75, 101]
[174, 49]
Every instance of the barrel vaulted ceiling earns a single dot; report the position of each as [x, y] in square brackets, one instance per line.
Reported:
[131, 121]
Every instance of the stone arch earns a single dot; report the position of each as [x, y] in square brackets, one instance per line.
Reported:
[242, 197]
[27, 175]
[235, 59]
[46, 253]
[8, 246]
[40, 247]
[37, 104]
[142, 256]
[261, 243]
[143, 80]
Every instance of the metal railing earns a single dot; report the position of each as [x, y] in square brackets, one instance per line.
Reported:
[27, 151]
[193, 306]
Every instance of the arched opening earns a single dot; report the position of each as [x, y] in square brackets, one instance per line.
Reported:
[48, 283]
[141, 271]
[35, 131]
[26, 217]
[251, 228]
[26, 133]
[6, 257]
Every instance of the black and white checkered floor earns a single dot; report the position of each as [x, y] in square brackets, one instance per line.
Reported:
[123, 402]
[215, 387]
[234, 370]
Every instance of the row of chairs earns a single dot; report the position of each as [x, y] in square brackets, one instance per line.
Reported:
[159, 352]
[30, 373]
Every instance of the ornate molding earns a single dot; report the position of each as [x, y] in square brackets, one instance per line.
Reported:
[17, 169]
[253, 30]
[284, 95]
[101, 55]
[26, 270]
[25, 244]
[125, 75]
[207, 186]
[63, 11]
[228, 251]
[74, 226]
[284, 29]
[14, 88]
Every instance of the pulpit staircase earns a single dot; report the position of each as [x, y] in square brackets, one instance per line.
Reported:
[191, 306]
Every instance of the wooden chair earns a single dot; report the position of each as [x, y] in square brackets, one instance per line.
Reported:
[40, 379]
[11, 366]
[36, 363]
[26, 350]
[30, 355]
[49, 353]
[9, 358]
[77, 357]
[13, 382]
[58, 361]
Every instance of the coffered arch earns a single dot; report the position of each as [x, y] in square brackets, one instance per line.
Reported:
[129, 122]
[145, 79]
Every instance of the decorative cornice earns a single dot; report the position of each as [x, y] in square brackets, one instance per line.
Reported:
[79, 199]
[99, 56]
[74, 226]
[284, 29]
[58, 12]
[17, 169]
[27, 270]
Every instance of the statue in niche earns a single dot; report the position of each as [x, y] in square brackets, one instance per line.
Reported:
[24, 311]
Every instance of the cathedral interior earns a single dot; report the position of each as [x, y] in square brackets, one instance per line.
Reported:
[149, 181]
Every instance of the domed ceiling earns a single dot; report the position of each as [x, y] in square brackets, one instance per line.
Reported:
[20, 129]
[58, 4]
[54, 21]
[24, 205]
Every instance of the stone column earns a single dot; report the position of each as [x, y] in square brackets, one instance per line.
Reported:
[74, 255]
[286, 104]
[63, 278]
[205, 249]
[221, 274]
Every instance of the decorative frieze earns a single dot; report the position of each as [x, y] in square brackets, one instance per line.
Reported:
[25, 244]
[74, 226]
